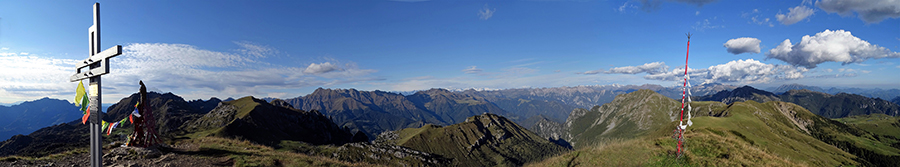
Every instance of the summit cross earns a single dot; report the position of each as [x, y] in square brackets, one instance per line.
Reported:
[97, 64]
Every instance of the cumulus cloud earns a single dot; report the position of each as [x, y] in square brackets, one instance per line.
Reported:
[737, 71]
[795, 15]
[828, 46]
[486, 13]
[742, 45]
[870, 11]
[649, 68]
[472, 70]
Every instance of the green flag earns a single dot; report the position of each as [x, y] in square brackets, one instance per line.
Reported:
[84, 103]
[104, 125]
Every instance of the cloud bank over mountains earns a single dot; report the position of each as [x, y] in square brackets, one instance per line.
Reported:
[738, 71]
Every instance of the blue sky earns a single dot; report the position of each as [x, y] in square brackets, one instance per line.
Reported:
[285, 49]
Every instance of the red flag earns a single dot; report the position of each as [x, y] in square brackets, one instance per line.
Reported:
[85, 117]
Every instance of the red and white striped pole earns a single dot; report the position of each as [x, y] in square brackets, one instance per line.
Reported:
[684, 94]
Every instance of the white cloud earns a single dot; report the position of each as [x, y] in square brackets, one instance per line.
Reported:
[828, 46]
[870, 11]
[795, 15]
[649, 68]
[321, 68]
[472, 70]
[335, 70]
[486, 13]
[697, 13]
[28, 77]
[183, 69]
[742, 45]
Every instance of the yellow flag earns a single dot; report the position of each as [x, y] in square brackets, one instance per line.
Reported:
[79, 93]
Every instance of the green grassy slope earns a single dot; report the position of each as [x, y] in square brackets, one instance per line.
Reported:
[743, 133]
[628, 116]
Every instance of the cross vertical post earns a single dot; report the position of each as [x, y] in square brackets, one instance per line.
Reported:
[95, 98]
[97, 64]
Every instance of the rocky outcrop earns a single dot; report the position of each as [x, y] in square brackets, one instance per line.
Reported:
[483, 140]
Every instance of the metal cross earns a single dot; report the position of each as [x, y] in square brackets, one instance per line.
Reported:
[98, 64]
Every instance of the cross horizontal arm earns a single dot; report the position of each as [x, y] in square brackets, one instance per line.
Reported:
[106, 54]
[89, 73]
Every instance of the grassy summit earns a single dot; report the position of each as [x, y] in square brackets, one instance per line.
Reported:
[743, 133]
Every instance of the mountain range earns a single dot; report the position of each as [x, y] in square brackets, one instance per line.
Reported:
[871, 93]
[26, 117]
[827, 105]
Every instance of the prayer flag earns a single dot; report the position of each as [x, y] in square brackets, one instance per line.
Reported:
[135, 112]
[79, 91]
[111, 126]
[103, 125]
[85, 117]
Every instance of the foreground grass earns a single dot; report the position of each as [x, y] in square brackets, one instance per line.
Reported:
[49, 157]
[246, 153]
